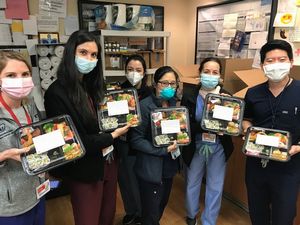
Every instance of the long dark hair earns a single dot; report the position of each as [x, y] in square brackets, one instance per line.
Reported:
[69, 76]
[139, 58]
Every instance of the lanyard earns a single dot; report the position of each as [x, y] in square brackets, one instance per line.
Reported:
[13, 115]
[274, 109]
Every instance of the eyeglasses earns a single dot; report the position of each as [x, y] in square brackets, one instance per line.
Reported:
[166, 83]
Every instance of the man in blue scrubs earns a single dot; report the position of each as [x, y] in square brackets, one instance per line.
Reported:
[273, 186]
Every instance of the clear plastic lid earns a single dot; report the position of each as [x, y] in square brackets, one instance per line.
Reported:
[267, 143]
[53, 142]
[119, 107]
[170, 124]
[113, 86]
[223, 114]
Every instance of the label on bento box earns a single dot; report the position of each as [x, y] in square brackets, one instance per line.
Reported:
[46, 142]
[223, 113]
[267, 140]
[117, 108]
[170, 126]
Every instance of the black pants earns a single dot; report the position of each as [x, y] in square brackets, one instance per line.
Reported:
[154, 198]
[272, 193]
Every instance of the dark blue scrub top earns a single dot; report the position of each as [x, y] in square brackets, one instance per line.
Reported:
[281, 112]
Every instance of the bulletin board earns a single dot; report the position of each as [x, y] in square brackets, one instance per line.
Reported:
[233, 29]
[286, 22]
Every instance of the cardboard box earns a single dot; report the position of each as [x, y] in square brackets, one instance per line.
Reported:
[250, 78]
[188, 73]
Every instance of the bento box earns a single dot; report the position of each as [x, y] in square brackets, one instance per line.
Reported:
[53, 142]
[223, 114]
[267, 143]
[170, 124]
[118, 108]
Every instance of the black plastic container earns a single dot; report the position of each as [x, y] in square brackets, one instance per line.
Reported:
[267, 143]
[119, 108]
[223, 114]
[53, 142]
[170, 124]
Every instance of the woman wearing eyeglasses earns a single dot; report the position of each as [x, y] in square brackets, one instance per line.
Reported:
[154, 166]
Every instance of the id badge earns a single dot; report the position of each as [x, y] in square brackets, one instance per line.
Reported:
[107, 150]
[42, 189]
[209, 137]
[176, 153]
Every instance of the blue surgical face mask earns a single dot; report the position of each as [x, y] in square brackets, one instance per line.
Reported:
[167, 93]
[85, 66]
[208, 81]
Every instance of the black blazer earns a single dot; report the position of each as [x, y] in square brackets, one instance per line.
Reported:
[90, 167]
[189, 99]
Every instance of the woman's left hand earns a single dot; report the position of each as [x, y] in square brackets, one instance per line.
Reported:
[294, 149]
[173, 147]
[120, 131]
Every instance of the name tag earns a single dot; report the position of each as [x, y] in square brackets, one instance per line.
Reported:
[42, 189]
[208, 137]
[107, 150]
[175, 154]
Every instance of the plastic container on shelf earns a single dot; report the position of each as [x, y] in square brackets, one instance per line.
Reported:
[119, 108]
[53, 142]
[169, 125]
[223, 114]
[267, 143]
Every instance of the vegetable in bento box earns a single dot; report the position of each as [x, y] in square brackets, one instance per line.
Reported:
[132, 119]
[63, 127]
[71, 151]
[183, 138]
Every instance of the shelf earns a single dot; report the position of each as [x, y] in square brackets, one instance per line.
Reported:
[121, 73]
[117, 33]
[150, 54]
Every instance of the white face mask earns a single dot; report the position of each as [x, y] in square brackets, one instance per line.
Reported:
[134, 77]
[276, 72]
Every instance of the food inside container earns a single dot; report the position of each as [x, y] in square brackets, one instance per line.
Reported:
[267, 143]
[52, 143]
[113, 86]
[169, 125]
[223, 114]
[119, 108]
